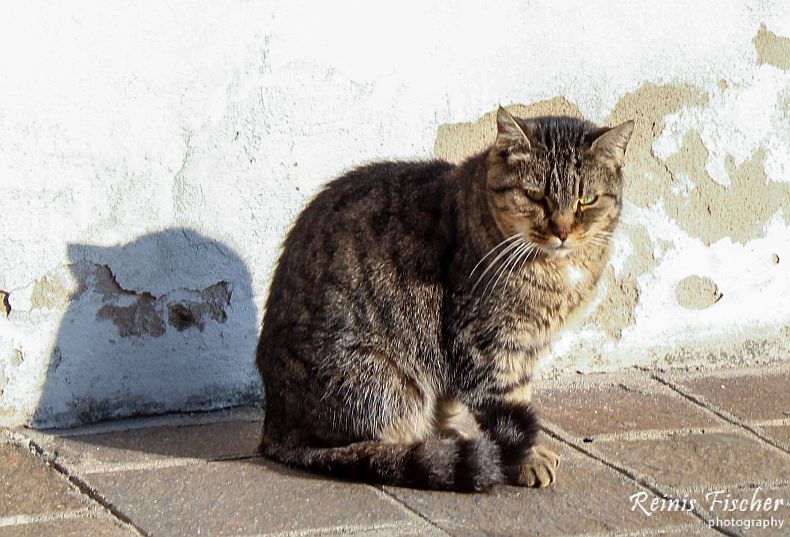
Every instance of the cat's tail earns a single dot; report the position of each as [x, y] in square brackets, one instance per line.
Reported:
[464, 465]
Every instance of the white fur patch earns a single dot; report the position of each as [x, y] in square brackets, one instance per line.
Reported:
[575, 274]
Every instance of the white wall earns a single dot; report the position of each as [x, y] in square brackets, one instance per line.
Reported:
[168, 145]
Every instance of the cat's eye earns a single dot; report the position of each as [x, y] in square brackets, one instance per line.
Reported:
[534, 195]
[587, 200]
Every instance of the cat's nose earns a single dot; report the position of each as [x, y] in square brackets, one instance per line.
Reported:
[561, 226]
[561, 230]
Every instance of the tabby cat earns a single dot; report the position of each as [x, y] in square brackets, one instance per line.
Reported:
[412, 301]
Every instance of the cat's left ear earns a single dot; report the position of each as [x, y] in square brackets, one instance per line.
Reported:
[609, 143]
[511, 137]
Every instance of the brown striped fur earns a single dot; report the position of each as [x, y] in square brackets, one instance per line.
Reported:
[412, 301]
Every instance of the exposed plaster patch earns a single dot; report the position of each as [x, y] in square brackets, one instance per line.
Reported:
[616, 310]
[697, 292]
[5, 305]
[700, 205]
[138, 319]
[646, 175]
[107, 285]
[737, 123]
[16, 358]
[49, 292]
[772, 49]
[775, 259]
[455, 142]
[143, 314]
[188, 313]
[711, 211]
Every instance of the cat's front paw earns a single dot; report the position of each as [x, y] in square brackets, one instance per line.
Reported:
[538, 468]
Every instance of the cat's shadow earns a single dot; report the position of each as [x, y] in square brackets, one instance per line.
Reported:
[165, 323]
[158, 334]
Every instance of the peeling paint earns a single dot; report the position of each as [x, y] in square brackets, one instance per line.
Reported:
[697, 292]
[49, 292]
[5, 304]
[137, 319]
[185, 314]
[771, 48]
[710, 211]
[616, 310]
[700, 205]
[106, 284]
[648, 106]
[456, 142]
[145, 314]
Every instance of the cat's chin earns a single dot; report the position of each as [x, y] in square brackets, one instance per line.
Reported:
[557, 252]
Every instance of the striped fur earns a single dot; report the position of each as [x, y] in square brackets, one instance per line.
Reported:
[412, 301]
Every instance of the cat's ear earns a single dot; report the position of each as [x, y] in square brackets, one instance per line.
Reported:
[511, 138]
[609, 143]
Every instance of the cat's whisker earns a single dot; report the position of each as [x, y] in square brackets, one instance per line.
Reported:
[599, 237]
[491, 251]
[510, 247]
[524, 253]
[596, 238]
[533, 254]
[503, 267]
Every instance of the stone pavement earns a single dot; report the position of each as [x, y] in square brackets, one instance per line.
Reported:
[642, 454]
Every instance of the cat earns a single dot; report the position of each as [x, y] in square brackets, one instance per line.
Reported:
[412, 301]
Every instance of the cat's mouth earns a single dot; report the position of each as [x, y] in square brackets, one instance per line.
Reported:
[554, 247]
[561, 250]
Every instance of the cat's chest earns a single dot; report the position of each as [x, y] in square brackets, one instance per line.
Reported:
[545, 312]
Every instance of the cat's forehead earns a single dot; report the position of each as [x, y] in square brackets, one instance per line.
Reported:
[557, 135]
[558, 148]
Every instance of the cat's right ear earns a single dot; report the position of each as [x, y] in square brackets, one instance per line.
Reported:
[511, 140]
[609, 143]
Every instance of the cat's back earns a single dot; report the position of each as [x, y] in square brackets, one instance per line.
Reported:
[380, 188]
[385, 204]
[380, 227]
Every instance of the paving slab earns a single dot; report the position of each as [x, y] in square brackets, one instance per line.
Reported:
[761, 396]
[755, 517]
[628, 405]
[245, 498]
[700, 460]
[698, 529]
[28, 486]
[779, 433]
[106, 451]
[588, 497]
[85, 526]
